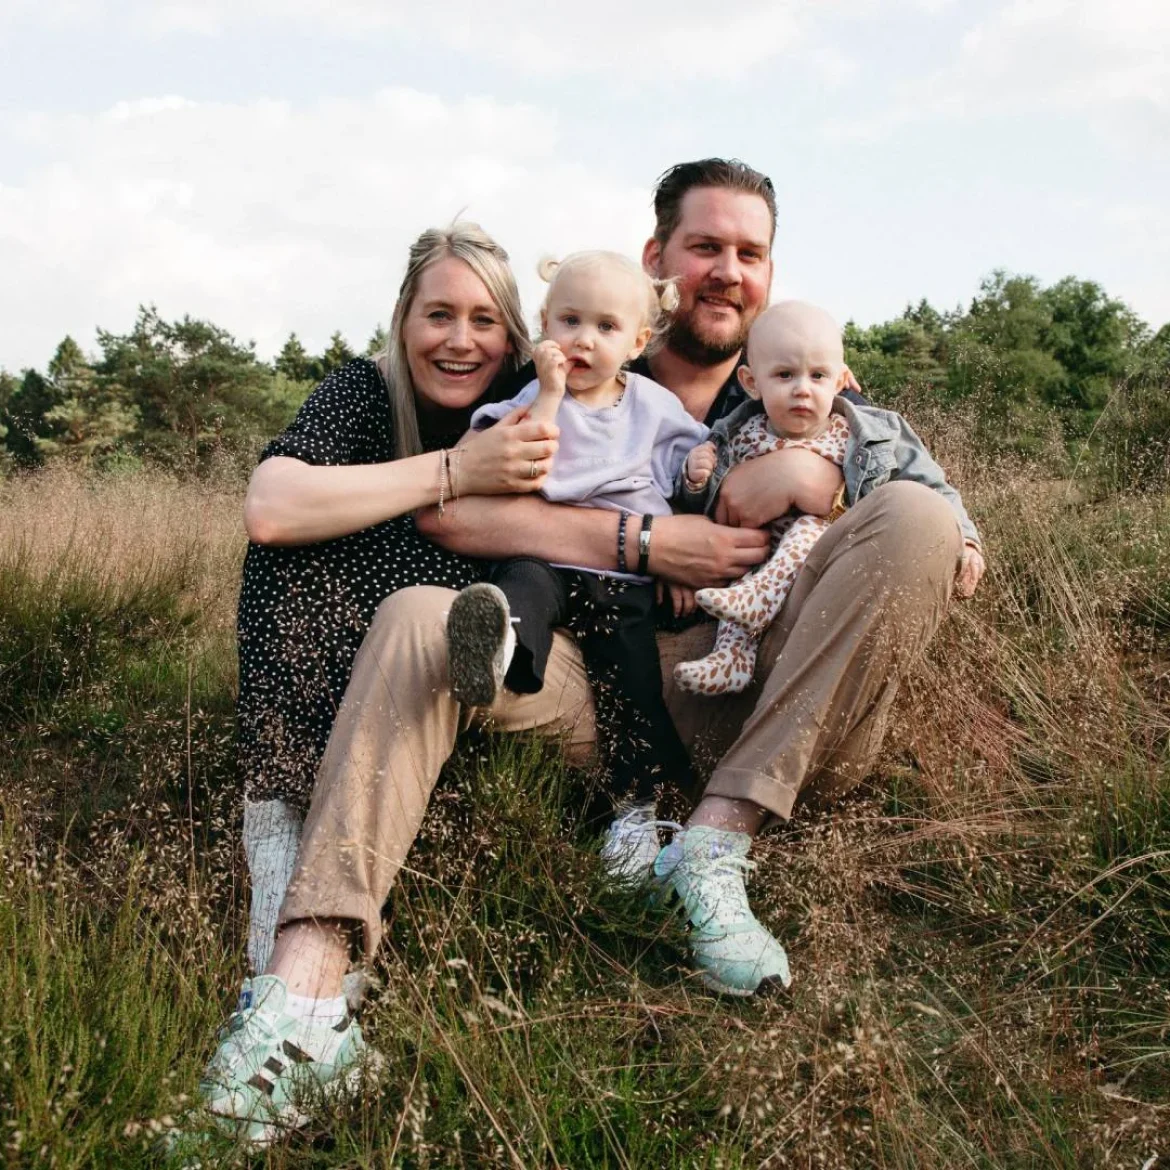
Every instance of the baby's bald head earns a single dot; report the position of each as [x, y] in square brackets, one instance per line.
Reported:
[795, 366]
[795, 322]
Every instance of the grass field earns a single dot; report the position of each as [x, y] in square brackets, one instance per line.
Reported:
[981, 938]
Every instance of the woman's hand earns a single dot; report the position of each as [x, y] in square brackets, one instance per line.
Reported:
[513, 456]
[970, 572]
[762, 490]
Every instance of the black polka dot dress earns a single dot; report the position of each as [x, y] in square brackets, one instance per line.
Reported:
[305, 609]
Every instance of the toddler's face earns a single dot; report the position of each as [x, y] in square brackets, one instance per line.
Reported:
[795, 369]
[595, 315]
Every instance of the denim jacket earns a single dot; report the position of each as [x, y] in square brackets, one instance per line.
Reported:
[881, 447]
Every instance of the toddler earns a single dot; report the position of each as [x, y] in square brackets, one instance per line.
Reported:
[623, 439]
[795, 368]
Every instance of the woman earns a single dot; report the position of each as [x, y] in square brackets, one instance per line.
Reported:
[329, 513]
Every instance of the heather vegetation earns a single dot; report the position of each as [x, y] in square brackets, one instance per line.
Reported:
[981, 937]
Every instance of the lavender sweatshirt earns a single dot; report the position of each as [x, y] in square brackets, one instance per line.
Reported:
[624, 457]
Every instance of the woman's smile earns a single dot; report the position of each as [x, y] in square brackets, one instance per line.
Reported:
[454, 335]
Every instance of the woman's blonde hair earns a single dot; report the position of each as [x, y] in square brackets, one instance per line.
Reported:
[470, 243]
[661, 295]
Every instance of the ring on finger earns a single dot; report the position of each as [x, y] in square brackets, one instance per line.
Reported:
[532, 470]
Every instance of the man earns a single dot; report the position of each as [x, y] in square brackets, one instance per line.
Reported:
[868, 599]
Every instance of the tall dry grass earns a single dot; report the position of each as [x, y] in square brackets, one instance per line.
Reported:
[981, 936]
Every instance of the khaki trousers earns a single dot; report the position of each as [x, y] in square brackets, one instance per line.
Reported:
[867, 601]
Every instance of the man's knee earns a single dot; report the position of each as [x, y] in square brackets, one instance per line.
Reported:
[918, 508]
[915, 529]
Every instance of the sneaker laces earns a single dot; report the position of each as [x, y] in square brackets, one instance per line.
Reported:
[239, 1036]
[632, 825]
[718, 883]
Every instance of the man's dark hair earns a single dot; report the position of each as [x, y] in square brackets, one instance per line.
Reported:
[730, 173]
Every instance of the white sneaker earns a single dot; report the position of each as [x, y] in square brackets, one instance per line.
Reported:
[261, 1081]
[480, 644]
[631, 843]
[705, 868]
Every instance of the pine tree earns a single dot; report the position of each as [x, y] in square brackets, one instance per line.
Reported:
[336, 355]
[378, 342]
[294, 361]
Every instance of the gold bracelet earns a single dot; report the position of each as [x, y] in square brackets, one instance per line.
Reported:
[444, 475]
[454, 458]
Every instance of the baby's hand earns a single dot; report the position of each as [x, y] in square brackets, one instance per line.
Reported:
[682, 598]
[700, 464]
[552, 368]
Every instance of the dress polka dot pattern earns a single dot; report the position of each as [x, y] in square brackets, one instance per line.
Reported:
[304, 610]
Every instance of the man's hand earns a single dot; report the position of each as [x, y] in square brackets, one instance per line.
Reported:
[970, 571]
[700, 465]
[762, 490]
[694, 551]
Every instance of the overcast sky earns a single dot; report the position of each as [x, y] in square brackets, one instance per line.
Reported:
[264, 164]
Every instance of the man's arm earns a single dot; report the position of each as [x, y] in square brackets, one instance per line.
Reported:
[761, 490]
[690, 550]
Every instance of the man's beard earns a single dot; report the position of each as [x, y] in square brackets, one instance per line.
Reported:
[683, 339]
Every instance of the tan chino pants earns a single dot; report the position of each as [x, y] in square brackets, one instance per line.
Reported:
[867, 601]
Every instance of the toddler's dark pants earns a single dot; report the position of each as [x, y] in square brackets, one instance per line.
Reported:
[613, 622]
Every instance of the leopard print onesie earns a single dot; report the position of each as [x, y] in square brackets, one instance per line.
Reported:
[747, 608]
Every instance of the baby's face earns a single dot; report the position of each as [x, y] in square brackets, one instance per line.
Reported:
[795, 367]
[596, 315]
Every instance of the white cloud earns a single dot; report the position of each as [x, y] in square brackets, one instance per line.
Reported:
[653, 40]
[267, 217]
[1102, 59]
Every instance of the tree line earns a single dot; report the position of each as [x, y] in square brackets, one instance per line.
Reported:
[1027, 358]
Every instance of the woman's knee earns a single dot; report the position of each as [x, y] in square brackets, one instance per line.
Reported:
[420, 605]
[407, 636]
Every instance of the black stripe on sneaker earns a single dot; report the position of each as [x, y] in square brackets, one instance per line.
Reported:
[298, 1054]
[258, 1082]
[344, 1023]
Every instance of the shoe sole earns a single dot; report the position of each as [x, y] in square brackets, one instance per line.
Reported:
[664, 896]
[771, 987]
[476, 629]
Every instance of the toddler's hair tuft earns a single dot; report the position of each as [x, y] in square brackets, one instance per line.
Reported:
[546, 268]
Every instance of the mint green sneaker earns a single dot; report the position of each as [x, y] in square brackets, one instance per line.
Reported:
[704, 869]
[269, 1064]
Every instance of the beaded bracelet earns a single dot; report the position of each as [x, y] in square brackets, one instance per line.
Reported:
[623, 518]
[644, 545]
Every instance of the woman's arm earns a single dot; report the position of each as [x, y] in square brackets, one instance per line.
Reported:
[293, 502]
[690, 550]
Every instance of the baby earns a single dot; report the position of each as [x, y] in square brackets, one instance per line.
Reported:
[623, 439]
[795, 369]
